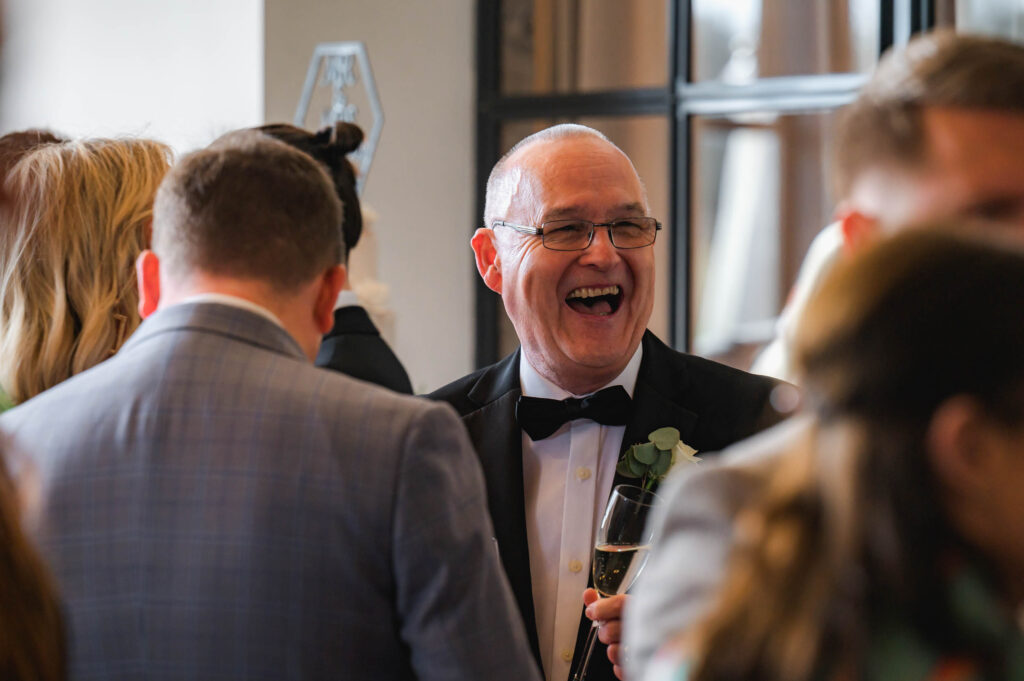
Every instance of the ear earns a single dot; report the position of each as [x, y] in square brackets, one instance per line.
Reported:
[488, 262]
[961, 447]
[859, 229]
[330, 284]
[147, 276]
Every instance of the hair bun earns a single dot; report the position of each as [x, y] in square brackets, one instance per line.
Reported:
[344, 137]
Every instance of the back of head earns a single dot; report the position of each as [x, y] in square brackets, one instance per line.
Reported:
[885, 126]
[331, 146]
[921, 318]
[250, 208]
[850, 528]
[79, 215]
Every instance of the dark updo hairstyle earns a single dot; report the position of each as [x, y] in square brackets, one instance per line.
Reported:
[330, 146]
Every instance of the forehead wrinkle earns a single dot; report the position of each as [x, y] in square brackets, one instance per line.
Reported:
[621, 211]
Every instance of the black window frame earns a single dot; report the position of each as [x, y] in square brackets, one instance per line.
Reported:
[679, 100]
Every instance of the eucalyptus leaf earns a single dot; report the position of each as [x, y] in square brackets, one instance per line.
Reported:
[661, 466]
[646, 453]
[637, 467]
[665, 438]
[622, 468]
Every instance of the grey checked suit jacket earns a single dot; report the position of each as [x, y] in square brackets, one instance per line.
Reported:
[215, 507]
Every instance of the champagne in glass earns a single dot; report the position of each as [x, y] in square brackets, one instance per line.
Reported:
[620, 551]
[616, 567]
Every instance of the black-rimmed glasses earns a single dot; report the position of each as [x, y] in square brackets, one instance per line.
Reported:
[577, 235]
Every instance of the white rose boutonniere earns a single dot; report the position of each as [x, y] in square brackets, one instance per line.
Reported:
[651, 461]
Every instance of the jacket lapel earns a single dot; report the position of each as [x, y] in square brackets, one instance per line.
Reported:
[654, 403]
[499, 445]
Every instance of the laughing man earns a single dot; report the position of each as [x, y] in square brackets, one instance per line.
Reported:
[568, 244]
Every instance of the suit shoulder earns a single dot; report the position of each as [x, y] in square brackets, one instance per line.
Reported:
[732, 403]
[456, 393]
[728, 377]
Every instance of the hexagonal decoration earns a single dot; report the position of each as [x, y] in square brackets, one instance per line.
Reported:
[331, 88]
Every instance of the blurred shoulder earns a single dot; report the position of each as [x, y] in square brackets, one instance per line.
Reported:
[734, 474]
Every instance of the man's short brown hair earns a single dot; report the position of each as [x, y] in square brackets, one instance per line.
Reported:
[939, 69]
[248, 207]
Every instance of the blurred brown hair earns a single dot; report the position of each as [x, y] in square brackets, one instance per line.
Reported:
[331, 146]
[851, 520]
[32, 640]
[884, 125]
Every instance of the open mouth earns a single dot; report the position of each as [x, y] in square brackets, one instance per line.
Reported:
[600, 301]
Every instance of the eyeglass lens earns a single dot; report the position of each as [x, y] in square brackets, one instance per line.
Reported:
[570, 235]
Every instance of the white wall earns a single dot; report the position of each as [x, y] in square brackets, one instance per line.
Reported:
[421, 182]
[185, 71]
[182, 72]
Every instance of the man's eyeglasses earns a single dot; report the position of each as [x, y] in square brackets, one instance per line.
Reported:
[577, 235]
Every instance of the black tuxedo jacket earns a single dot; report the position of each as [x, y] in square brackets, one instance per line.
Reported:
[711, 405]
[354, 347]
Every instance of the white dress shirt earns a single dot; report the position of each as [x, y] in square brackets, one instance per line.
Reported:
[568, 479]
[232, 301]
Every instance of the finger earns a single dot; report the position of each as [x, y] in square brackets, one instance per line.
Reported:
[610, 632]
[589, 596]
[620, 673]
[615, 654]
[606, 608]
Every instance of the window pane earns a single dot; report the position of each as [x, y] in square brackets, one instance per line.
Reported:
[996, 17]
[583, 45]
[645, 140]
[739, 41]
[761, 192]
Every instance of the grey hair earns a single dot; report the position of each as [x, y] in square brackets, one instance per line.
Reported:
[497, 187]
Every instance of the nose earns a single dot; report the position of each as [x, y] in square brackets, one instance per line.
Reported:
[601, 253]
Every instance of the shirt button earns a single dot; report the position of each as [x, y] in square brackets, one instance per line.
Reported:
[567, 655]
[575, 566]
[582, 472]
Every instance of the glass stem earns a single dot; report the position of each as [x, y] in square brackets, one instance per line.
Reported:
[588, 649]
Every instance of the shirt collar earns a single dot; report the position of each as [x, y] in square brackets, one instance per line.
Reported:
[346, 298]
[233, 301]
[535, 385]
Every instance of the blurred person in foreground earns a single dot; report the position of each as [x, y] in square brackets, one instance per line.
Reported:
[353, 346]
[938, 131]
[32, 640]
[78, 215]
[568, 243]
[887, 541]
[214, 506]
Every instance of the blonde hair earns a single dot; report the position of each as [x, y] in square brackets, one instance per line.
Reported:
[79, 215]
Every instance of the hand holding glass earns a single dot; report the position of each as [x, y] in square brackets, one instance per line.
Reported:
[620, 552]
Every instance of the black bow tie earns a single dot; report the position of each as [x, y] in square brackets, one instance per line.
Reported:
[540, 418]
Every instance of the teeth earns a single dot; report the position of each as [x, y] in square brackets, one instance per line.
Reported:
[590, 292]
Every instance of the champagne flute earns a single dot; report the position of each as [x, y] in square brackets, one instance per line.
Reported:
[620, 552]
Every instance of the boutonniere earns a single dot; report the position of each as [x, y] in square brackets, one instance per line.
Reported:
[651, 461]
